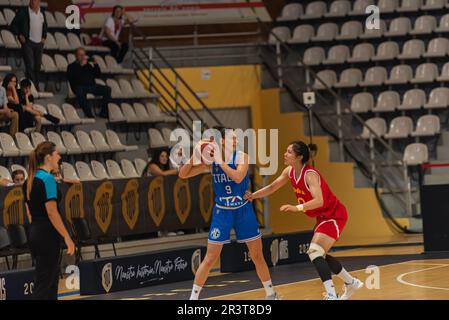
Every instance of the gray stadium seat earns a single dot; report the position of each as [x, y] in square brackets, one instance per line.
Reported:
[387, 101]
[378, 125]
[337, 55]
[444, 76]
[326, 32]
[424, 25]
[362, 102]
[400, 127]
[99, 170]
[329, 77]
[374, 76]
[409, 6]
[128, 169]
[438, 99]
[350, 30]
[85, 142]
[400, 74]
[360, 6]
[413, 99]
[434, 4]
[56, 139]
[387, 50]
[349, 78]
[314, 56]
[387, 6]
[375, 33]
[84, 171]
[425, 73]
[302, 34]
[291, 12]
[399, 27]
[339, 8]
[412, 49]
[68, 171]
[315, 9]
[282, 33]
[437, 47]
[362, 52]
[113, 169]
[427, 125]
[415, 154]
[444, 24]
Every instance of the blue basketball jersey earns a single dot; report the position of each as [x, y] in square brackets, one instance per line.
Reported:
[228, 193]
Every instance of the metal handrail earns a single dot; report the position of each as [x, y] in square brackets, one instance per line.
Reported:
[179, 78]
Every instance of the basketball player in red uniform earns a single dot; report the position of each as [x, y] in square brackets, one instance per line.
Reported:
[317, 201]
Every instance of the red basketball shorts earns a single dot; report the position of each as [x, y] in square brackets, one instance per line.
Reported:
[333, 225]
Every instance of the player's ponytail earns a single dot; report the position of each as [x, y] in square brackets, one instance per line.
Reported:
[301, 149]
[36, 159]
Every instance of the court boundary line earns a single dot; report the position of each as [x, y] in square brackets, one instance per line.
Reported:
[304, 281]
[400, 277]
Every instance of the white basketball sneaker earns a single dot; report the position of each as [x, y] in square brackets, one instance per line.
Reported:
[274, 296]
[329, 296]
[350, 289]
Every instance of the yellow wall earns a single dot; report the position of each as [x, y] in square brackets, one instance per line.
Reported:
[239, 86]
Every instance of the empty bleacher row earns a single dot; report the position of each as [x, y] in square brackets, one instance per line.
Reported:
[391, 76]
[93, 171]
[79, 143]
[344, 8]
[402, 74]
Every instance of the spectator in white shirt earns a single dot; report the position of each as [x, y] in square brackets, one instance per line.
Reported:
[30, 26]
[110, 34]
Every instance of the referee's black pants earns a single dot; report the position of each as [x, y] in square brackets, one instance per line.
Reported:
[45, 245]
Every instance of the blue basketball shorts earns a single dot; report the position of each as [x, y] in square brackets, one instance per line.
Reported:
[243, 220]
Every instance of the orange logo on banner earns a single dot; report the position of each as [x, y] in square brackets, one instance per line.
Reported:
[103, 205]
[130, 203]
[156, 200]
[181, 194]
[206, 193]
[74, 202]
[13, 207]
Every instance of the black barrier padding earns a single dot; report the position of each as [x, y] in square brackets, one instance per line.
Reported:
[435, 216]
[277, 249]
[139, 270]
[16, 284]
[125, 207]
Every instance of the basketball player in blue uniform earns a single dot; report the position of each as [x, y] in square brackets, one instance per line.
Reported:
[231, 210]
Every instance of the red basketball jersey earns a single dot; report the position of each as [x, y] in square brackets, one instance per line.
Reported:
[330, 205]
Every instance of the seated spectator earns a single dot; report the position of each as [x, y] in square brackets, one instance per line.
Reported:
[30, 118]
[7, 114]
[18, 177]
[81, 75]
[12, 91]
[110, 34]
[159, 165]
[59, 179]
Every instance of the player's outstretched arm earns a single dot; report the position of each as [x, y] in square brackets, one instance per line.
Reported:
[272, 187]
[313, 181]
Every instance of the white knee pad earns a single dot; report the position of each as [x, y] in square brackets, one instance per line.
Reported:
[315, 251]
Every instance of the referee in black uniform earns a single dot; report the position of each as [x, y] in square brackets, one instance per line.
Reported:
[41, 194]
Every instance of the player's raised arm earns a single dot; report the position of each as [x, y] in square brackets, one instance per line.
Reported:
[239, 173]
[189, 169]
[271, 188]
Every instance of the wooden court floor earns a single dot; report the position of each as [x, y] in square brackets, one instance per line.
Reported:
[402, 279]
[411, 280]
